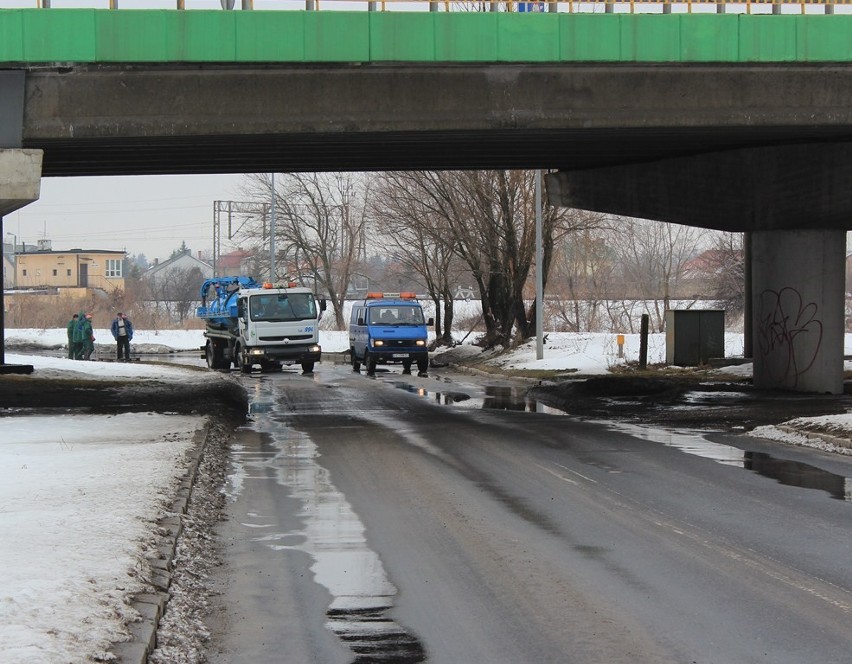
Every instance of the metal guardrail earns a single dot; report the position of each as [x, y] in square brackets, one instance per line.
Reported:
[537, 6]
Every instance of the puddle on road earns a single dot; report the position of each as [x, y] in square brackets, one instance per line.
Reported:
[333, 536]
[497, 397]
[790, 473]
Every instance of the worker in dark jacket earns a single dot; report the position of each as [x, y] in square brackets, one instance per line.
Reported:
[122, 332]
[88, 336]
[77, 336]
[72, 325]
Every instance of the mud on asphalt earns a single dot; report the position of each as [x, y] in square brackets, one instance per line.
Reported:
[689, 400]
[685, 402]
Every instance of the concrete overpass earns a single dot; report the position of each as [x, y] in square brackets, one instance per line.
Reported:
[735, 122]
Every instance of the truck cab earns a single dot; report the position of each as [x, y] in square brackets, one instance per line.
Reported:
[389, 328]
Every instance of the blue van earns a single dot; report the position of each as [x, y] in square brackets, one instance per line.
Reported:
[389, 328]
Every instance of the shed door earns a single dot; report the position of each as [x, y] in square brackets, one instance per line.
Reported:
[84, 275]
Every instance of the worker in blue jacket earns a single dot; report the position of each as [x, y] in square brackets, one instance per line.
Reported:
[122, 332]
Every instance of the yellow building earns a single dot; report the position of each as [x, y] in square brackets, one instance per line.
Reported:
[74, 268]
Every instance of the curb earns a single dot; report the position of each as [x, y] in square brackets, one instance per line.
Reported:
[818, 436]
[151, 605]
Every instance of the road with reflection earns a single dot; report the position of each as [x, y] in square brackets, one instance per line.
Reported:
[448, 520]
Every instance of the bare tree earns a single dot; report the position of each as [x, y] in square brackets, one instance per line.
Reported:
[176, 291]
[727, 263]
[582, 274]
[418, 237]
[319, 231]
[487, 218]
[652, 256]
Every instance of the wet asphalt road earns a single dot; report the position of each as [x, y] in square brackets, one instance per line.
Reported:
[395, 520]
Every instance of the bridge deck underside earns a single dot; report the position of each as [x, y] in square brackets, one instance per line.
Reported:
[568, 149]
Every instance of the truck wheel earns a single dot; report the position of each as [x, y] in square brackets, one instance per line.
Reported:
[370, 363]
[210, 355]
[356, 363]
[308, 367]
[242, 360]
[423, 367]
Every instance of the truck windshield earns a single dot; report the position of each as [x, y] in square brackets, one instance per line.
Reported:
[396, 315]
[283, 306]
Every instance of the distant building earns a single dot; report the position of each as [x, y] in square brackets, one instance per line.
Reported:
[43, 267]
[235, 264]
[176, 267]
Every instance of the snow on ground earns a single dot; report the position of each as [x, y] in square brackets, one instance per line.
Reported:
[69, 564]
[80, 496]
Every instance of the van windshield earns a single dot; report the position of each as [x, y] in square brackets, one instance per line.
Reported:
[396, 315]
[282, 306]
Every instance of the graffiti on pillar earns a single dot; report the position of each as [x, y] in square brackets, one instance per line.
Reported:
[789, 331]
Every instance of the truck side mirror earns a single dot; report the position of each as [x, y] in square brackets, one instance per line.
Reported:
[430, 322]
[360, 320]
[322, 304]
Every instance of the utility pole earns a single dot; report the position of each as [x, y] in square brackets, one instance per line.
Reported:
[539, 272]
[243, 211]
[272, 234]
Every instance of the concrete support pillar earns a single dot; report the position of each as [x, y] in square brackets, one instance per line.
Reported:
[798, 285]
[20, 178]
[20, 184]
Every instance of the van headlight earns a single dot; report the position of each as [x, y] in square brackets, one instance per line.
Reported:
[420, 342]
[378, 342]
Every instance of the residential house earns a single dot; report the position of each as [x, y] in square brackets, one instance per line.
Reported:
[174, 286]
[43, 267]
[235, 264]
[177, 268]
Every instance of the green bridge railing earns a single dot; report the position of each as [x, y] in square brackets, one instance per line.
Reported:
[33, 36]
[538, 6]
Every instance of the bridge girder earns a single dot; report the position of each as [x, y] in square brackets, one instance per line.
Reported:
[158, 119]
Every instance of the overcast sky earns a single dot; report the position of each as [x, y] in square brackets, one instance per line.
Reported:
[148, 215]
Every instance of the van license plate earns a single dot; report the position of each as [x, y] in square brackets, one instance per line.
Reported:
[400, 355]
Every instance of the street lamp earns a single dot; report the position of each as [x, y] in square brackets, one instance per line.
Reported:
[14, 261]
